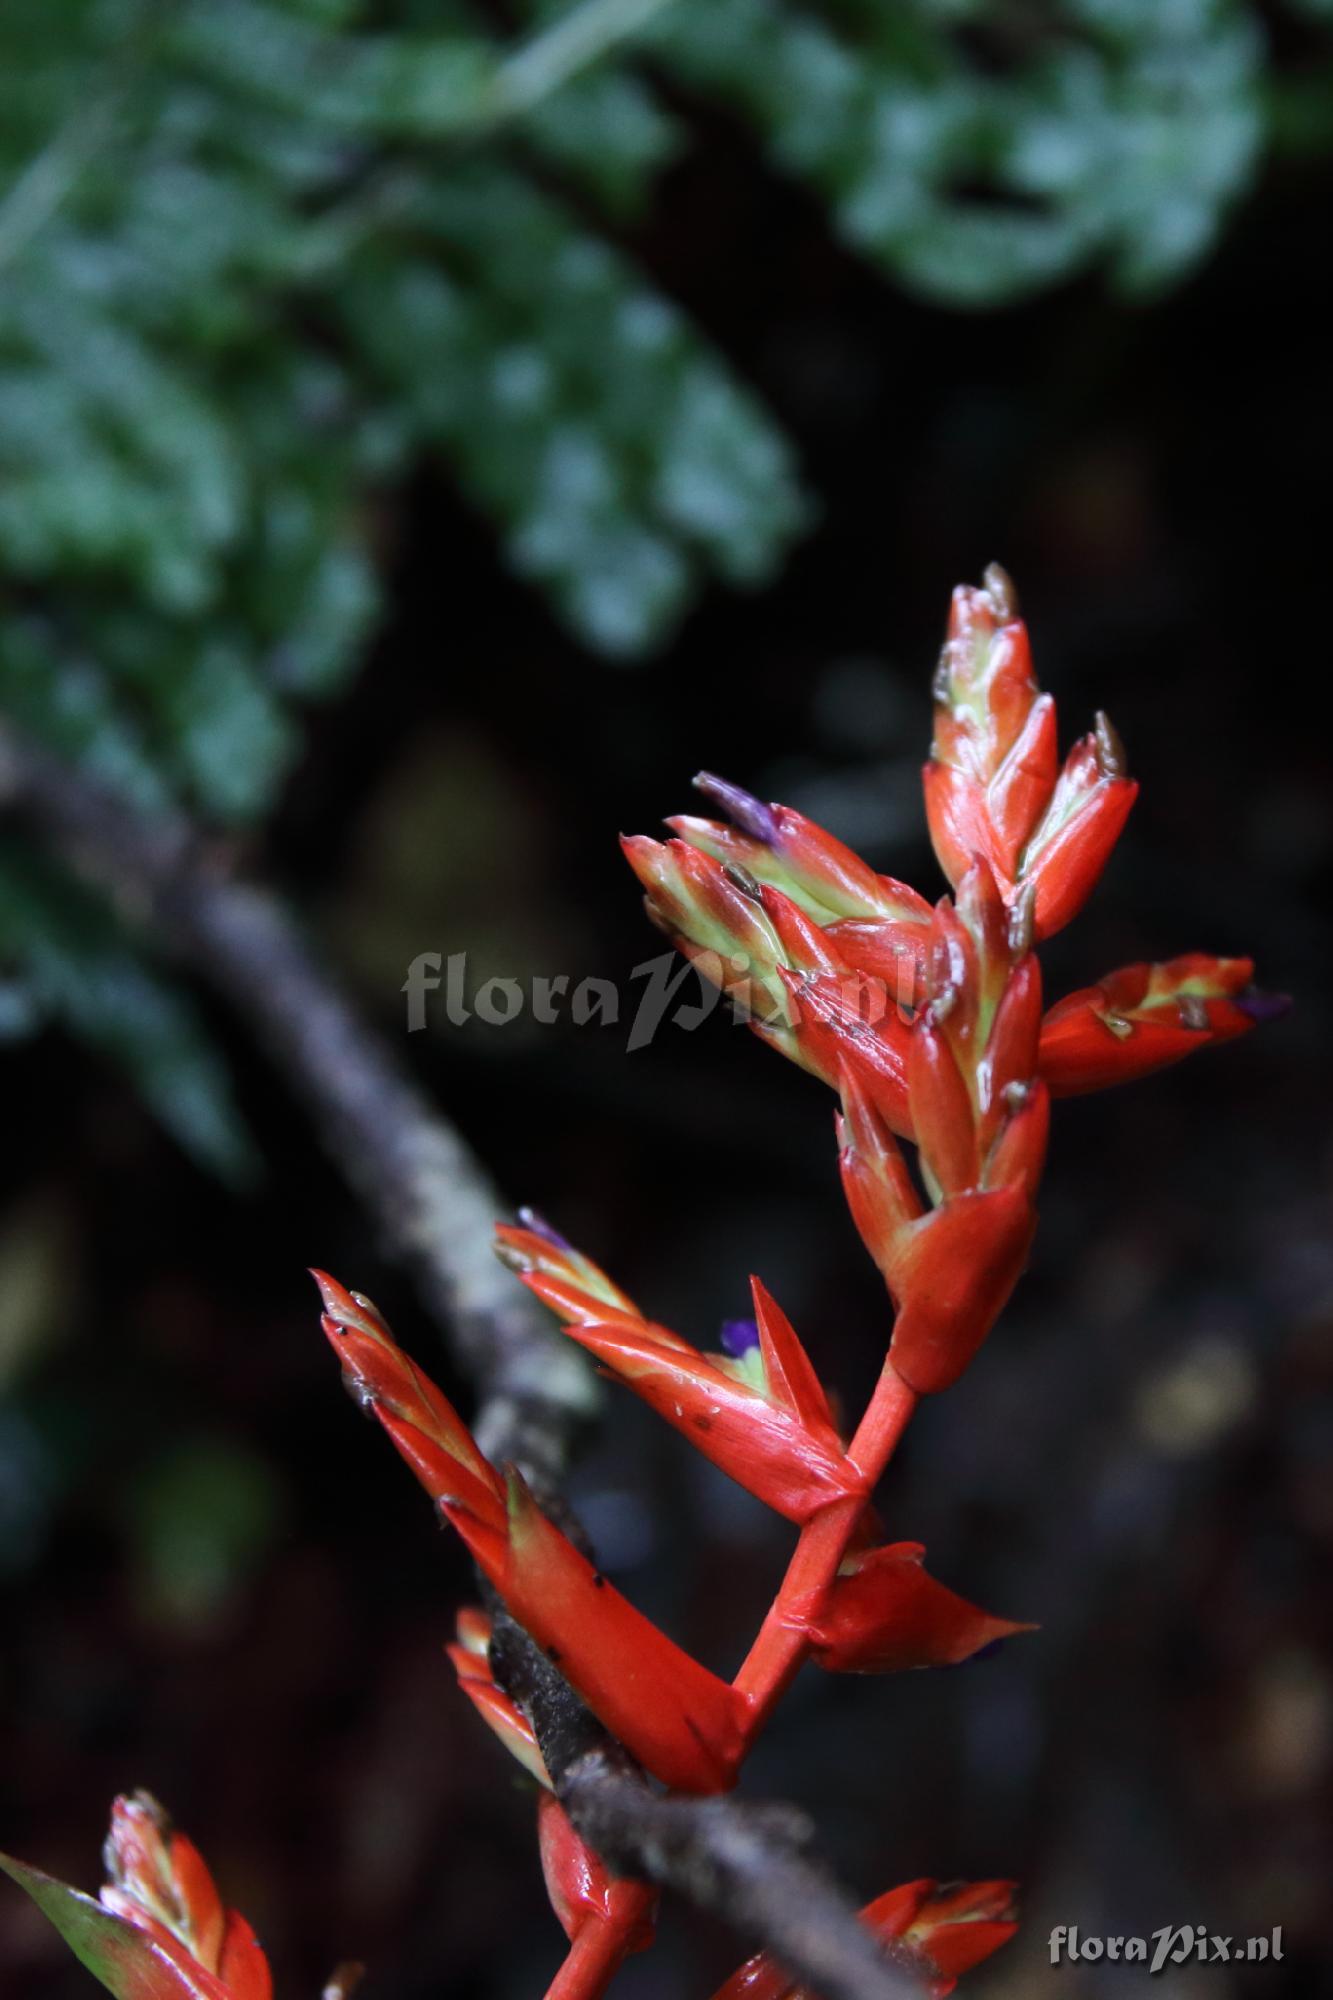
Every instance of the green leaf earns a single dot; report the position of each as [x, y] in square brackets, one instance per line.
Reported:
[127, 1963]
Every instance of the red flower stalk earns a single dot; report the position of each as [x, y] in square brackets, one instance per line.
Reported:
[584, 1894]
[606, 1917]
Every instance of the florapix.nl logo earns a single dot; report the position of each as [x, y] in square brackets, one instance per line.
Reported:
[684, 991]
[1172, 1945]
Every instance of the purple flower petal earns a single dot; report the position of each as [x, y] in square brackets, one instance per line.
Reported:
[1263, 1007]
[531, 1218]
[738, 1337]
[750, 814]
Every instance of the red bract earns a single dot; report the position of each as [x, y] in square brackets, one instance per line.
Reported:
[716, 916]
[946, 1932]
[159, 1882]
[951, 1268]
[683, 1722]
[765, 1421]
[471, 1662]
[883, 1612]
[787, 977]
[1145, 1016]
[160, 1885]
[992, 787]
[789, 852]
[583, 1890]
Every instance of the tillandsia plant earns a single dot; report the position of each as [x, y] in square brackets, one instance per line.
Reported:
[928, 1023]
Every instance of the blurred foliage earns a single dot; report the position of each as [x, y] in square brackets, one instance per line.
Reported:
[257, 260]
[201, 1517]
[79, 969]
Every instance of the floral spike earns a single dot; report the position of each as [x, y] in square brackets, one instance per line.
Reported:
[160, 1931]
[992, 786]
[945, 1931]
[765, 1421]
[1143, 1017]
[848, 1021]
[929, 1025]
[883, 1612]
[980, 1121]
[158, 1879]
[681, 1721]
[788, 978]
[782, 848]
[715, 915]
[571, 1283]
[795, 1464]
[471, 1662]
[425, 1426]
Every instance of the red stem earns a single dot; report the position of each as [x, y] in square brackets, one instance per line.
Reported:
[782, 1644]
[596, 1954]
[780, 1647]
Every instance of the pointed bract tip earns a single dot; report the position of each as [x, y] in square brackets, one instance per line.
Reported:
[348, 1312]
[533, 1220]
[747, 812]
[142, 1800]
[510, 1255]
[1000, 589]
[337, 1299]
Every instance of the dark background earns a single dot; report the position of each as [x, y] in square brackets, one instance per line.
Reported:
[221, 1585]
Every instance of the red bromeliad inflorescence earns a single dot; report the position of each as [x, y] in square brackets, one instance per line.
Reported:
[160, 1930]
[929, 1024]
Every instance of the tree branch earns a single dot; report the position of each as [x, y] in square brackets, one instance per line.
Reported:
[435, 1206]
[749, 1864]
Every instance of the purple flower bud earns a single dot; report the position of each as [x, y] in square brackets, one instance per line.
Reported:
[750, 814]
[532, 1219]
[1263, 1007]
[738, 1337]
